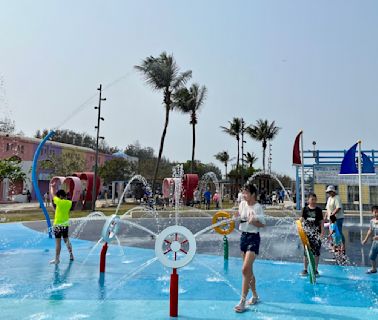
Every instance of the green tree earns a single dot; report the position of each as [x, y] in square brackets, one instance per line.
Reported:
[235, 130]
[250, 159]
[116, 169]
[12, 170]
[78, 139]
[162, 74]
[65, 164]
[236, 175]
[136, 150]
[190, 101]
[223, 157]
[202, 168]
[263, 131]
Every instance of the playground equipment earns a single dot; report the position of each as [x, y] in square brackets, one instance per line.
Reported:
[109, 232]
[175, 247]
[224, 229]
[309, 254]
[189, 183]
[77, 187]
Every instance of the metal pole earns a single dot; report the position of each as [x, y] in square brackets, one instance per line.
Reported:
[302, 175]
[242, 147]
[225, 247]
[173, 296]
[297, 188]
[360, 180]
[94, 193]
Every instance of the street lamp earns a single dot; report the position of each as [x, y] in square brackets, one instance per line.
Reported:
[242, 149]
[99, 118]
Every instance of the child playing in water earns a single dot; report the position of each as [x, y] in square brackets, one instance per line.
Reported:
[61, 223]
[373, 231]
[312, 218]
[252, 218]
[335, 234]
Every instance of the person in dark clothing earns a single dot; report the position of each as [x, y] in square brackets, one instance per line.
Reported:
[312, 218]
[28, 196]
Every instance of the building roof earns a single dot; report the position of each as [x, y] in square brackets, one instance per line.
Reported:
[51, 143]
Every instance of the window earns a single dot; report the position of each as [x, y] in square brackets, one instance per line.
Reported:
[9, 146]
[353, 194]
[22, 149]
[373, 194]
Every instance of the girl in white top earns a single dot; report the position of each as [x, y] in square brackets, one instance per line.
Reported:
[252, 219]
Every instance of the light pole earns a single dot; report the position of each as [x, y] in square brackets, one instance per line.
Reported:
[242, 150]
[270, 159]
[99, 118]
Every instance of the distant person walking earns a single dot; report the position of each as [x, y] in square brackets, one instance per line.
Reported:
[216, 199]
[28, 196]
[373, 232]
[239, 199]
[196, 198]
[207, 197]
[334, 207]
[46, 197]
[61, 223]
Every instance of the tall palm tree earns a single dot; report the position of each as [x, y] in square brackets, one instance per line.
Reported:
[235, 130]
[162, 73]
[250, 158]
[190, 101]
[264, 132]
[223, 157]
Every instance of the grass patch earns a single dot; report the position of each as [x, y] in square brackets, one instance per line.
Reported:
[37, 214]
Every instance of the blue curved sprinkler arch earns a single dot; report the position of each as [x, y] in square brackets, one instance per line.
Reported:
[35, 180]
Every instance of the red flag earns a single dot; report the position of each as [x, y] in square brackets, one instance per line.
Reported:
[296, 151]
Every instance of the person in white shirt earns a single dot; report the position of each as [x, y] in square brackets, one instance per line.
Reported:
[239, 197]
[335, 207]
[252, 218]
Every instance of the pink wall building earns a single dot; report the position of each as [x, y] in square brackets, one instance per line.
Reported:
[23, 148]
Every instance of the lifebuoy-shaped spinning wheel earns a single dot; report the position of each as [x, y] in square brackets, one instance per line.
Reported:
[110, 228]
[175, 246]
[226, 227]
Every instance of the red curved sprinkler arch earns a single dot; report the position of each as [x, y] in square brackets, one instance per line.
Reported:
[189, 184]
[168, 183]
[55, 184]
[72, 186]
[88, 176]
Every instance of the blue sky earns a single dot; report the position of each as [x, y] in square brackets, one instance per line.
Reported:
[308, 65]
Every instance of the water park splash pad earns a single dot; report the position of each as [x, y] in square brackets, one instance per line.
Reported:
[136, 277]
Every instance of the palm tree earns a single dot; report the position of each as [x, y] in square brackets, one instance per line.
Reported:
[190, 101]
[250, 158]
[162, 74]
[235, 130]
[223, 157]
[263, 131]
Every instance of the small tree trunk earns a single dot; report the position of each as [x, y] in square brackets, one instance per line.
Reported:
[237, 164]
[193, 146]
[264, 147]
[167, 109]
